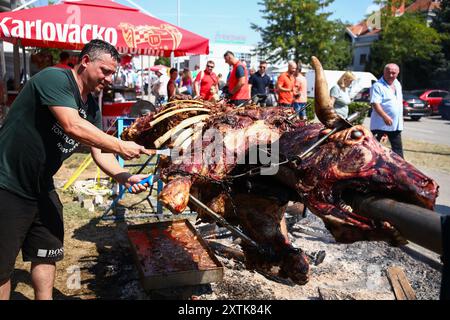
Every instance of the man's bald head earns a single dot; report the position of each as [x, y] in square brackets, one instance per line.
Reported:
[292, 67]
[391, 66]
[391, 72]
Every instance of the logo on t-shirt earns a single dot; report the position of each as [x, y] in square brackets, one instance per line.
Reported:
[66, 144]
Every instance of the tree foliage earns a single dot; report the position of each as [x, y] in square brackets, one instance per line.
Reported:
[404, 40]
[299, 29]
[163, 61]
[411, 43]
[442, 25]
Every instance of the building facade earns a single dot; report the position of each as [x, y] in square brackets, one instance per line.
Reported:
[363, 34]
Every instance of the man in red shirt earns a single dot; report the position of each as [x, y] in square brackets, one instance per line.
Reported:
[206, 84]
[286, 86]
[238, 87]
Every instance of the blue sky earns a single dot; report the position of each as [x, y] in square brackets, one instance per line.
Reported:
[232, 17]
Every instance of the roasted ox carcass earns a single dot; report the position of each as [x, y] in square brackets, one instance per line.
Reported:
[243, 163]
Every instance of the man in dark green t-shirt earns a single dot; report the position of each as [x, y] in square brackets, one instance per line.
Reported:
[52, 115]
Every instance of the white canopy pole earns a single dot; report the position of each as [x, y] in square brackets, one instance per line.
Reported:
[2, 62]
[179, 25]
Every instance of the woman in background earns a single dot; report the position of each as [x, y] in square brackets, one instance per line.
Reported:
[186, 83]
[340, 94]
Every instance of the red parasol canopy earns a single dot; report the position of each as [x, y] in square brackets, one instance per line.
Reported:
[75, 22]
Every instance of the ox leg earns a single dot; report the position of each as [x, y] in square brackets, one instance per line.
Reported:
[261, 219]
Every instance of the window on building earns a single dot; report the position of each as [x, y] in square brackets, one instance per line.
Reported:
[244, 57]
[363, 59]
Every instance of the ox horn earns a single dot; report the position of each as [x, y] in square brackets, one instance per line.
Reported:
[323, 107]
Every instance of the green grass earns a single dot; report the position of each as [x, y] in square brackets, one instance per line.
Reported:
[427, 155]
[73, 211]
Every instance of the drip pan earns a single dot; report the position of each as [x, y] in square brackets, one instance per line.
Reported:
[173, 254]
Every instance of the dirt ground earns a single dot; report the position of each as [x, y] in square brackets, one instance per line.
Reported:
[98, 261]
[98, 254]
[99, 264]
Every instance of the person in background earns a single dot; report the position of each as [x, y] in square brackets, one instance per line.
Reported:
[186, 83]
[286, 86]
[300, 93]
[172, 88]
[259, 84]
[159, 87]
[196, 71]
[63, 61]
[271, 100]
[222, 83]
[386, 98]
[340, 94]
[206, 84]
[238, 88]
[252, 72]
[180, 76]
[146, 83]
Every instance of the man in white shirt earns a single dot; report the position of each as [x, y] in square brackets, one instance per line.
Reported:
[387, 103]
[159, 87]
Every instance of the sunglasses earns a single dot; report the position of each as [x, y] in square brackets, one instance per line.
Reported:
[211, 67]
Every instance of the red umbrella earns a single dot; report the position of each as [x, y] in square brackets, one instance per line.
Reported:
[75, 22]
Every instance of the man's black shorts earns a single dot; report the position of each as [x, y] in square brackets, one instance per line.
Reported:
[36, 227]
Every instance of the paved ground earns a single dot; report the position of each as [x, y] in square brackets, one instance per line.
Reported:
[432, 129]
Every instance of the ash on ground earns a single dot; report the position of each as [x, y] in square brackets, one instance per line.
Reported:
[349, 271]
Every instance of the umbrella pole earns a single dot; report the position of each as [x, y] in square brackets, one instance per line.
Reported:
[2, 62]
[16, 54]
[25, 71]
[142, 78]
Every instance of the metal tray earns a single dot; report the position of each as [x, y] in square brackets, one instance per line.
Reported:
[165, 261]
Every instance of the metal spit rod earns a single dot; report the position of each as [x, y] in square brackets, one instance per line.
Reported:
[350, 119]
[416, 224]
[238, 233]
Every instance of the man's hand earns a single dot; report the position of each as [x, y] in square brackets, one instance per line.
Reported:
[388, 120]
[379, 109]
[130, 150]
[129, 180]
[133, 182]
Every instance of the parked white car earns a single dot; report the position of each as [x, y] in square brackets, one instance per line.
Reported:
[363, 80]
